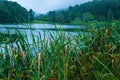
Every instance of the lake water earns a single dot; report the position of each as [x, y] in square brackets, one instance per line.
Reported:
[39, 27]
[35, 28]
[43, 29]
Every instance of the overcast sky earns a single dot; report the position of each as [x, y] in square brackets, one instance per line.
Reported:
[43, 6]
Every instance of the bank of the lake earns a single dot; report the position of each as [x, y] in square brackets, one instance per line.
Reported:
[61, 54]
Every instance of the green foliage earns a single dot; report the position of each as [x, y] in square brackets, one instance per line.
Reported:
[89, 56]
[31, 14]
[87, 17]
[12, 12]
[77, 20]
[7, 37]
[104, 37]
[98, 10]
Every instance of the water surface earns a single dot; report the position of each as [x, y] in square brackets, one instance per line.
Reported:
[43, 29]
[35, 28]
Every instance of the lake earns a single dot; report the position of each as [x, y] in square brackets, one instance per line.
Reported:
[44, 29]
[35, 28]
[40, 27]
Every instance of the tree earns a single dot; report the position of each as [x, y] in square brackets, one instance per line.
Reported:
[31, 14]
[92, 10]
[12, 12]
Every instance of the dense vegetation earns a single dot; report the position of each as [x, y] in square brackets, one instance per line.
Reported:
[94, 55]
[12, 12]
[9, 38]
[95, 10]
[90, 55]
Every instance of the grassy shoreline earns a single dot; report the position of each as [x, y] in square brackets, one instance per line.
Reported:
[58, 57]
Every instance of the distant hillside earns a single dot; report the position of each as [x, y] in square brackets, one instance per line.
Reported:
[89, 11]
[12, 12]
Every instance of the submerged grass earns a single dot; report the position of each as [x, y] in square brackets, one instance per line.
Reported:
[94, 55]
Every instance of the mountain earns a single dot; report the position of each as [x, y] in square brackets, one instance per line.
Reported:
[93, 10]
[12, 12]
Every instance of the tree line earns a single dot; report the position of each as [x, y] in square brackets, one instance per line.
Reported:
[89, 11]
[12, 12]
[96, 10]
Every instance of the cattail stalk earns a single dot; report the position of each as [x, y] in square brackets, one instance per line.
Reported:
[39, 59]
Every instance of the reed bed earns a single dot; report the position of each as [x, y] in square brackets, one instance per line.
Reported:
[94, 55]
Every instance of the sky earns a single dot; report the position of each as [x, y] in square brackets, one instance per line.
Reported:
[43, 6]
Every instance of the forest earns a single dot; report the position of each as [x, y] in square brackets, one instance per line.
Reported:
[12, 12]
[96, 10]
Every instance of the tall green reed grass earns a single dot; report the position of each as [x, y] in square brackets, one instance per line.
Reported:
[93, 55]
